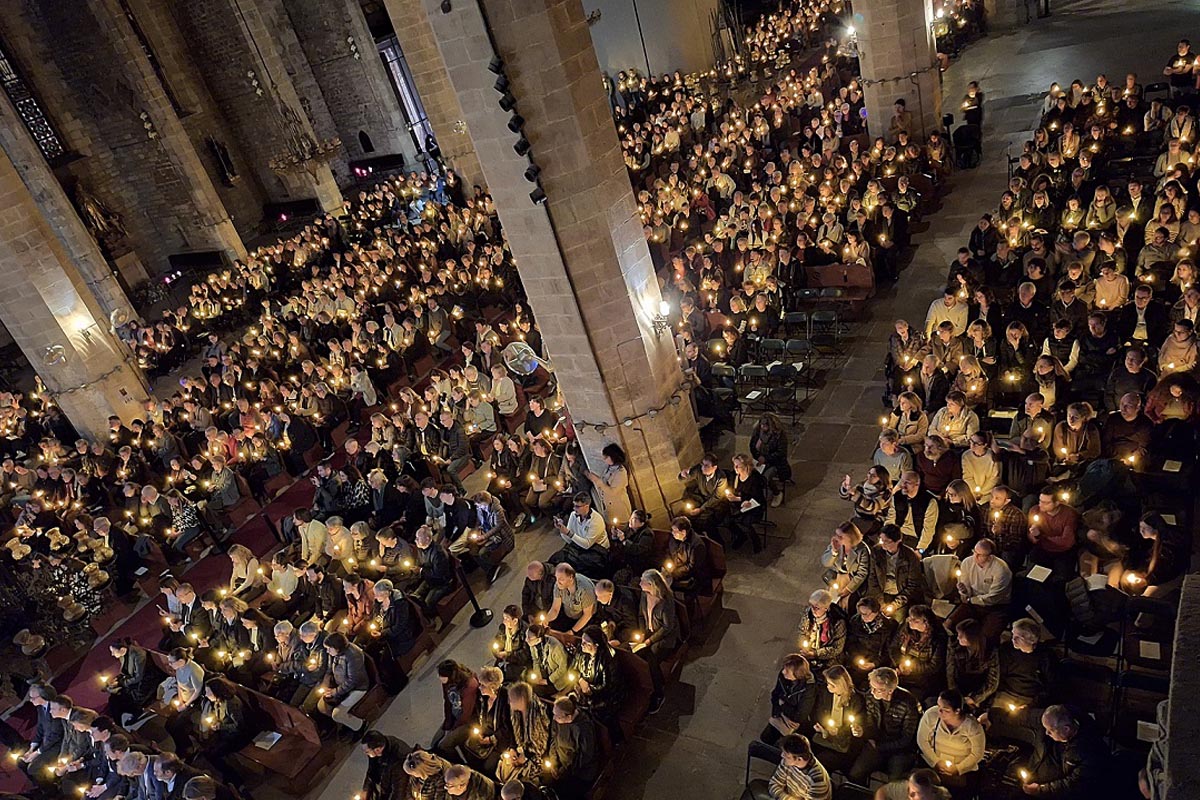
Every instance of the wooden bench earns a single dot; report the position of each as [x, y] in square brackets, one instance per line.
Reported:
[851, 284]
[298, 757]
[452, 603]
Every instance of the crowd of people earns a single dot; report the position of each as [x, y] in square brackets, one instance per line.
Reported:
[1051, 378]
[1031, 469]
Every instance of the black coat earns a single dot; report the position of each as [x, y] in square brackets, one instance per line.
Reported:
[386, 778]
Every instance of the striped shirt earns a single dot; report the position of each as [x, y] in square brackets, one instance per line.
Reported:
[801, 783]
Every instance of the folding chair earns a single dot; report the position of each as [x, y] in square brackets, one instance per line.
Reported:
[796, 322]
[770, 350]
[759, 751]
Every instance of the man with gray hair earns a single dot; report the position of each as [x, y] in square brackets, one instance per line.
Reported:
[890, 728]
[1069, 760]
[300, 662]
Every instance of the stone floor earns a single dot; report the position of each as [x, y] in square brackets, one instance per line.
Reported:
[697, 742]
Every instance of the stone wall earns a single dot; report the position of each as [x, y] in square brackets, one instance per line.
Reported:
[351, 76]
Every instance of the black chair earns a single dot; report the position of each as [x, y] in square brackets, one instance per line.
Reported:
[758, 751]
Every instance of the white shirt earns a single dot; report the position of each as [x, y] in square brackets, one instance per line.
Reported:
[986, 586]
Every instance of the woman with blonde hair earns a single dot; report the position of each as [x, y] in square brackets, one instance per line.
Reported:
[247, 579]
[909, 419]
[656, 616]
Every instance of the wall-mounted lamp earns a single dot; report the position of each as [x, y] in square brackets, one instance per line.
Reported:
[659, 316]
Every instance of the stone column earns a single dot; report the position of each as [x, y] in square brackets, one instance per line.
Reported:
[582, 257]
[64, 222]
[47, 304]
[249, 77]
[895, 41]
[210, 216]
[415, 36]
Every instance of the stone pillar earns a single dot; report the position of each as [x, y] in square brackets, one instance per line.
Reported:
[630, 33]
[346, 66]
[97, 84]
[249, 77]
[895, 41]
[415, 36]
[46, 304]
[582, 257]
[64, 222]
[210, 217]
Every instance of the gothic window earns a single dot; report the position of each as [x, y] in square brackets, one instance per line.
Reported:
[33, 115]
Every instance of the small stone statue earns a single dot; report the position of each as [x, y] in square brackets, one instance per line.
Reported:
[104, 223]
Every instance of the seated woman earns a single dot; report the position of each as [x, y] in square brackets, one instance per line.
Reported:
[952, 742]
[909, 420]
[1156, 571]
[246, 580]
[487, 739]
[527, 732]
[135, 684]
[598, 685]
[221, 730]
[656, 612]
[394, 627]
[460, 695]
[919, 653]
[632, 547]
[792, 700]
[839, 716]
[509, 650]
[972, 664]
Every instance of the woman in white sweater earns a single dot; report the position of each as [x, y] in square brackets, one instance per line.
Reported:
[951, 741]
[980, 469]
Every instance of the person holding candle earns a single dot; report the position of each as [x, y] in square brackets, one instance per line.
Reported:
[585, 537]
[1026, 675]
[686, 565]
[537, 592]
[509, 650]
[345, 682]
[221, 729]
[385, 778]
[549, 663]
[572, 761]
[425, 773]
[656, 613]
[598, 684]
[919, 652]
[823, 631]
[1070, 760]
[461, 781]
[527, 731]
[132, 688]
[847, 563]
[890, 720]
[952, 743]
[1053, 532]
[838, 716]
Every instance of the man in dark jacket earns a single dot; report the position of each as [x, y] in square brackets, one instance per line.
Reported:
[385, 778]
[1143, 321]
[572, 762]
[890, 729]
[897, 578]
[436, 570]
[537, 593]
[345, 683]
[616, 609]
[463, 783]
[47, 739]
[456, 449]
[1070, 761]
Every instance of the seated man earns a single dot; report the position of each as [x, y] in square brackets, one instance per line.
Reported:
[537, 593]
[616, 610]
[985, 589]
[467, 784]
[923, 784]
[436, 572]
[345, 683]
[896, 579]
[706, 497]
[488, 537]
[890, 727]
[1026, 673]
[573, 761]
[1069, 761]
[574, 600]
[585, 536]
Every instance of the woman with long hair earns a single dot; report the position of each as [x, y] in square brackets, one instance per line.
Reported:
[460, 696]
[972, 664]
[660, 632]
[919, 652]
[838, 712]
